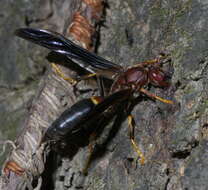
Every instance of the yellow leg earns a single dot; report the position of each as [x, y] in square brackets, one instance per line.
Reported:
[60, 73]
[155, 96]
[158, 59]
[135, 146]
[153, 61]
[71, 80]
[87, 76]
[90, 147]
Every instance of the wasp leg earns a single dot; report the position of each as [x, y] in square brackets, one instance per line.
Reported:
[61, 74]
[131, 125]
[14, 167]
[162, 58]
[85, 77]
[91, 148]
[152, 61]
[155, 96]
[69, 79]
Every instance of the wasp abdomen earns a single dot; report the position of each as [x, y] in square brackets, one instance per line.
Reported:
[71, 119]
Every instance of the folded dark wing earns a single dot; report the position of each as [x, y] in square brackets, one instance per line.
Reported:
[58, 43]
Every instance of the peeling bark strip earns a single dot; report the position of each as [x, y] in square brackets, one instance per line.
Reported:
[82, 30]
[83, 26]
[29, 153]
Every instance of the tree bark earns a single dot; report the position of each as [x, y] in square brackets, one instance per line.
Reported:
[55, 94]
[173, 138]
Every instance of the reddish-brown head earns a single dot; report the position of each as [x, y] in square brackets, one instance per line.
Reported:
[157, 77]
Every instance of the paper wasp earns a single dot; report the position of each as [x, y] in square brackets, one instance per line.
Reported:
[125, 83]
[149, 72]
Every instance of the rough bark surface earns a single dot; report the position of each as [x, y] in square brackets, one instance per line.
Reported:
[174, 138]
[22, 63]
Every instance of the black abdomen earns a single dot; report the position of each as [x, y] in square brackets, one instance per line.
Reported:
[70, 120]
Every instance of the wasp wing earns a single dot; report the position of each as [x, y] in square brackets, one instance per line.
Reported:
[104, 110]
[58, 43]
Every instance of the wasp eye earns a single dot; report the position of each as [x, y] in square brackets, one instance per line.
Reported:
[157, 77]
